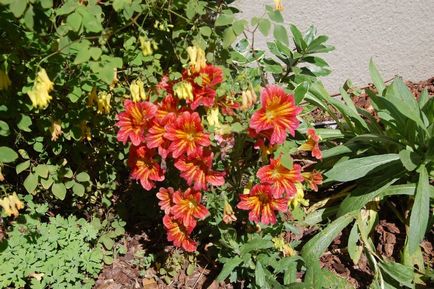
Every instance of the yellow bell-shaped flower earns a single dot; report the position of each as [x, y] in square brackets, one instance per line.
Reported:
[184, 90]
[137, 90]
[197, 58]
[39, 95]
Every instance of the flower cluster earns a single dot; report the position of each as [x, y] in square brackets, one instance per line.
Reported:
[172, 128]
[278, 185]
[168, 135]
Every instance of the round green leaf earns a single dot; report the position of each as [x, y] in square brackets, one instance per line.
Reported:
[78, 189]
[82, 177]
[59, 190]
[7, 155]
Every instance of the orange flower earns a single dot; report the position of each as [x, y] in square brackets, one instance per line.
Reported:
[144, 167]
[155, 136]
[262, 204]
[179, 234]
[197, 169]
[166, 199]
[187, 134]
[204, 92]
[281, 180]
[312, 144]
[313, 179]
[188, 207]
[167, 107]
[134, 120]
[278, 113]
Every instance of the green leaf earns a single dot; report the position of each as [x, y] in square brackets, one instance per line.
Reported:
[4, 128]
[107, 241]
[259, 275]
[401, 273]
[405, 189]
[28, 17]
[354, 169]
[46, 4]
[205, 31]
[264, 26]
[281, 34]
[354, 250]
[42, 171]
[7, 155]
[238, 26]
[376, 77]
[30, 183]
[300, 91]
[95, 52]
[224, 19]
[228, 37]
[420, 211]
[364, 194]
[25, 123]
[78, 189]
[83, 55]
[298, 38]
[228, 267]
[22, 167]
[255, 245]
[46, 183]
[274, 15]
[82, 177]
[74, 21]
[18, 7]
[59, 190]
[409, 159]
[316, 246]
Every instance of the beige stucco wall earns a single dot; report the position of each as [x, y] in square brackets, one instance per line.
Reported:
[398, 34]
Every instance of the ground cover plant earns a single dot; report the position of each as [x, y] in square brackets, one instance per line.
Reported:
[154, 138]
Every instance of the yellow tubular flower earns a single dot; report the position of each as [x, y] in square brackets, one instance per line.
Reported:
[197, 58]
[11, 205]
[56, 130]
[104, 102]
[5, 82]
[248, 99]
[212, 117]
[39, 95]
[184, 90]
[145, 46]
[85, 131]
[298, 199]
[137, 90]
[278, 5]
[92, 98]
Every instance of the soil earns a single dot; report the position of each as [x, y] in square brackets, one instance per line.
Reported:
[144, 237]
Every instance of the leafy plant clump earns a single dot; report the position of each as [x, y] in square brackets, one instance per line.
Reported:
[59, 253]
[386, 161]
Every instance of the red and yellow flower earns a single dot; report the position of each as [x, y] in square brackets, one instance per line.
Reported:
[166, 199]
[261, 203]
[187, 135]
[187, 207]
[179, 234]
[278, 113]
[133, 122]
[155, 136]
[196, 170]
[204, 92]
[144, 167]
[313, 179]
[281, 179]
[312, 144]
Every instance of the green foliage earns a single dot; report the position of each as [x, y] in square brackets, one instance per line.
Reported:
[385, 153]
[60, 253]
